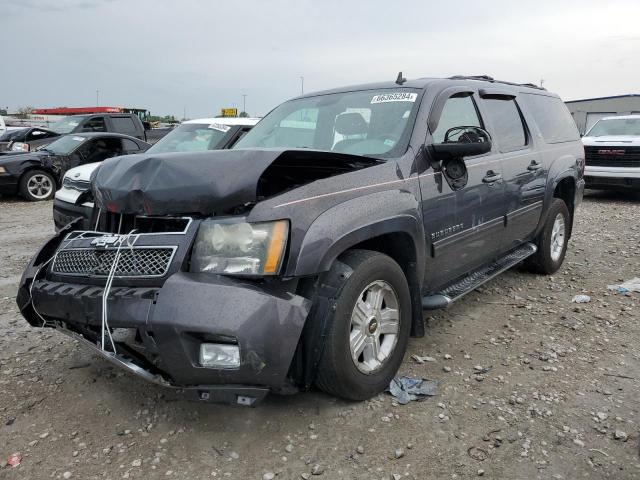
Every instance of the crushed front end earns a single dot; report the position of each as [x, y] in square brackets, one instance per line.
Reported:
[136, 299]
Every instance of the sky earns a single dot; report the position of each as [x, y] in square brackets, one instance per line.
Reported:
[197, 56]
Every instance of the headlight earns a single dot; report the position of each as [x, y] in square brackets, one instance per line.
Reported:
[240, 248]
[19, 147]
[3, 170]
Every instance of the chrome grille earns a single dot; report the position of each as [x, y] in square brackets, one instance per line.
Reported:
[612, 156]
[80, 185]
[133, 262]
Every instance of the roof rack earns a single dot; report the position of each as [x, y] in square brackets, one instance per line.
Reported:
[487, 78]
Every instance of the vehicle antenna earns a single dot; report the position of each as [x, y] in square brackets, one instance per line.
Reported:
[400, 80]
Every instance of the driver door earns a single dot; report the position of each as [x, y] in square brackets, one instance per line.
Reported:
[463, 201]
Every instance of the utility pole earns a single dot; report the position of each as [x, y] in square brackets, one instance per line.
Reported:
[97, 97]
[244, 102]
[301, 85]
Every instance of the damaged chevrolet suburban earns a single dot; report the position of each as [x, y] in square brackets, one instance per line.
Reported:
[309, 252]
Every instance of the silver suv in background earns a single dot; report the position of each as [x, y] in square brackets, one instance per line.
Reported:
[612, 153]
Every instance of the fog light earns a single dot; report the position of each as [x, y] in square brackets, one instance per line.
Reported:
[219, 355]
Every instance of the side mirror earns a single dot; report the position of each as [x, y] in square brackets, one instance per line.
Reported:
[469, 141]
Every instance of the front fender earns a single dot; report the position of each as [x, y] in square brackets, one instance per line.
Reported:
[357, 220]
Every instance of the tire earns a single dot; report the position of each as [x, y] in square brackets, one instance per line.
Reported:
[341, 375]
[37, 185]
[551, 248]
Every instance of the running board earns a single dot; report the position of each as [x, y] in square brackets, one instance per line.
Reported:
[469, 283]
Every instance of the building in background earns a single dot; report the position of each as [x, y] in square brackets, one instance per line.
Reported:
[588, 111]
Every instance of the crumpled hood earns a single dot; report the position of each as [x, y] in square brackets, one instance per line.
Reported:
[204, 183]
[166, 183]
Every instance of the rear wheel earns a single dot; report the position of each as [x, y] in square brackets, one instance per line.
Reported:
[37, 185]
[552, 242]
[370, 331]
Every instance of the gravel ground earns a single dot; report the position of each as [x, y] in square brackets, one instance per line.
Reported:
[531, 385]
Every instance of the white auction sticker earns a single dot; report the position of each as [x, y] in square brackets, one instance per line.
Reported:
[220, 127]
[395, 97]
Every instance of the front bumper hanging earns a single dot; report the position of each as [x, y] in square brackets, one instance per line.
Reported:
[164, 323]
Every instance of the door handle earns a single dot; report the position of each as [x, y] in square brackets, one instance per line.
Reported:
[491, 177]
[534, 166]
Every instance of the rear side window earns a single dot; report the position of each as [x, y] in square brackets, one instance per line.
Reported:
[124, 125]
[553, 118]
[507, 124]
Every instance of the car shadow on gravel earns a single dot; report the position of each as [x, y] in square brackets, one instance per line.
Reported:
[612, 196]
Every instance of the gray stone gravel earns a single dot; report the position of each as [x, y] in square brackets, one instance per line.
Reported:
[558, 396]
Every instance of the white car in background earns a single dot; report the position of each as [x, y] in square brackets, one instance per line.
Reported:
[74, 200]
[612, 153]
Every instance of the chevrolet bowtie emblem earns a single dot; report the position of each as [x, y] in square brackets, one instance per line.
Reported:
[107, 240]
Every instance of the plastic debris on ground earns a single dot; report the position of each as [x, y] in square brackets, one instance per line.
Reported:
[632, 285]
[420, 359]
[407, 389]
[581, 299]
[14, 460]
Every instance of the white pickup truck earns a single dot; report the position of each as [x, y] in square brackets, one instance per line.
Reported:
[612, 153]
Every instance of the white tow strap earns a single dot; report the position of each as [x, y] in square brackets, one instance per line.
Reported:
[107, 290]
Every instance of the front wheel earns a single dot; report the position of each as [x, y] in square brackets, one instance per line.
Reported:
[552, 242]
[369, 335]
[36, 185]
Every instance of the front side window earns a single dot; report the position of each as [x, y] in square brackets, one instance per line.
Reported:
[99, 149]
[507, 123]
[616, 126]
[367, 122]
[95, 124]
[458, 111]
[191, 137]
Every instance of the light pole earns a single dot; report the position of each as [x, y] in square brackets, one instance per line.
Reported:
[244, 103]
[301, 85]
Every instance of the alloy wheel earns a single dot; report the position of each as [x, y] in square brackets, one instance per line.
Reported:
[558, 232]
[375, 323]
[40, 186]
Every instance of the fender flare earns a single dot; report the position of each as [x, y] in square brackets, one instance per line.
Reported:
[333, 232]
[551, 188]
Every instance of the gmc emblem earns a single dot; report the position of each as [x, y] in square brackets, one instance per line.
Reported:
[611, 152]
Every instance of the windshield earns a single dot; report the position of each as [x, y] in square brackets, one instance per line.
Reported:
[616, 126]
[14, 135]
[65, 145]
[66, 125]
[191, 137]
[366, 122]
